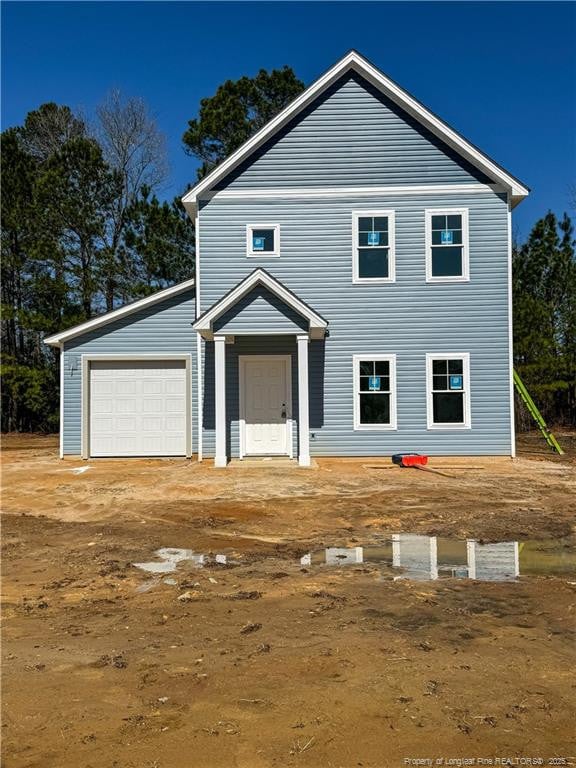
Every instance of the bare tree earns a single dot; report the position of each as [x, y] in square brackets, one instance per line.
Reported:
[48, 128]
[135, 150]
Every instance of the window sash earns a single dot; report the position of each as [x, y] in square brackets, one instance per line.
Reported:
[382, 368]
[373, 246]
[454, 251]
[439, 370]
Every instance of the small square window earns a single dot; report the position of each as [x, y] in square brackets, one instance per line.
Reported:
[447, 245]
[263, 240]
[373, 247]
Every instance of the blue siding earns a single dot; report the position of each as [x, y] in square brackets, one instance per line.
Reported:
[164, 328]
[352, 136]
[409, 317]
[259, 309]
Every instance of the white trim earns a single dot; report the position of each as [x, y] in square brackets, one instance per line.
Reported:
[199, 397]
[197, 262]
[511, 334]
[220, 458]
[358, 427]
[390, 215]
[109, 317]
[61, 441]
[200, 393]
[465, 357]
[463, 212]
[356, 62]
[346, 192]
[252, 254]
[242, 360]
[302, 341]
[86, 359]
[204, 323]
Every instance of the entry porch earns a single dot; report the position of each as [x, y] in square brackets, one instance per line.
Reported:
[257, 371]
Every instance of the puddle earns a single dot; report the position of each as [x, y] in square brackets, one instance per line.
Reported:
[406, 556]
[171, 557]
[427, 558]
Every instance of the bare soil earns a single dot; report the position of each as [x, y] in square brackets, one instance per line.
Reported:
[265, 663]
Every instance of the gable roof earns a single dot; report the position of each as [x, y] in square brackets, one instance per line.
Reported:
[259, 276]
[353, 61]
[57, 339]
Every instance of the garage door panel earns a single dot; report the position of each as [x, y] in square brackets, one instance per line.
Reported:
[101, 425]
[103, 405]
[153, 404]
[126, 405]
[102, 387]
[152, 386]
[153, 423]
[175, 405]
[175, 387]
[138, 408]
[126, 387]
[125, 424]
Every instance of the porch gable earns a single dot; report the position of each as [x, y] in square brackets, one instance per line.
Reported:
[260, 304]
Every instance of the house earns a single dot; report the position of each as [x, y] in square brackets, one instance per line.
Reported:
[352, 297]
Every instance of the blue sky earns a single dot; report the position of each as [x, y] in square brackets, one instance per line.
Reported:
[503, 74]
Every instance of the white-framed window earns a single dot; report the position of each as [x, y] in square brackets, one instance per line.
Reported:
[373, 247]
[447, 248]
[374, 392]
[448, 390]
[262, 240]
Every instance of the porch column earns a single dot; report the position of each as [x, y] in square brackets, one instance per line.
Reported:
[303, 406]
[220, 459]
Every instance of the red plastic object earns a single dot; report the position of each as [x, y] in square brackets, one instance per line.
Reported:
[414, 461]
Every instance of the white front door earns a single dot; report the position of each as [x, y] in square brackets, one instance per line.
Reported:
[266, 405]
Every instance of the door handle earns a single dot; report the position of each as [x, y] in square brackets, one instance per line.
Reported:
[283, 413]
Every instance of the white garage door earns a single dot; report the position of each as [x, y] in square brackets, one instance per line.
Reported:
[138, 408]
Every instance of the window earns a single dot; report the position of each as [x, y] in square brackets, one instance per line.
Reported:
[447, 245]
[373, 252]
[374, 392]
[448, 383]
[263, 240]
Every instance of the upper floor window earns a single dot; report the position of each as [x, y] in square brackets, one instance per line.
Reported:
[374, 392]
[373, 252]
[447, 245]
[448, 384]
[263, 240]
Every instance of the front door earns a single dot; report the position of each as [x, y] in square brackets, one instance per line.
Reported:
[266, 405]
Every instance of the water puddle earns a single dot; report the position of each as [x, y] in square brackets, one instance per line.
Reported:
[170, 558]
[403, 556]
[427, 558]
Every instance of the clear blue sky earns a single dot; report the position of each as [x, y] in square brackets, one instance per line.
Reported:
[503, 74]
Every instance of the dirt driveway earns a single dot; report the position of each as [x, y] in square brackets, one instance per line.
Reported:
[262, 661]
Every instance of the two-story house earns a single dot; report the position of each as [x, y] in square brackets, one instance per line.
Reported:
[352, 297]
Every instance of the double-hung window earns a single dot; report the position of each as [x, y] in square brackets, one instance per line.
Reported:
[447, 245]
[373, 246]
[374, 392]
[262, 240]
[448, 385]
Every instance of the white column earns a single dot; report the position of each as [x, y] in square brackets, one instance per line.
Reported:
[220, 460]
[303, 405]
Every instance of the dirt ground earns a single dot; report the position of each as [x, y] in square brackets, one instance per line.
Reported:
[263, 662]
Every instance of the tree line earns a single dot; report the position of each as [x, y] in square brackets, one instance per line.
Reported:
[84, 231]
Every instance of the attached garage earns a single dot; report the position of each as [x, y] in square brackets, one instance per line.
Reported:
[127, 381]
[137, 408]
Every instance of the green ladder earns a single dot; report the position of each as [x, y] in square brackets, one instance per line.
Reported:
[531, 405]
